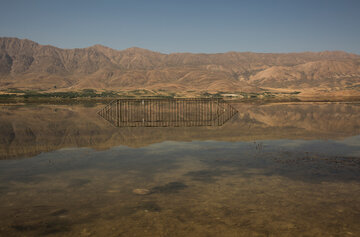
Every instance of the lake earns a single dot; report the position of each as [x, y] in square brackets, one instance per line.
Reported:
[271, 169]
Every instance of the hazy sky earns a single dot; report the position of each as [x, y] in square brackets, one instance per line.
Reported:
[187, 26]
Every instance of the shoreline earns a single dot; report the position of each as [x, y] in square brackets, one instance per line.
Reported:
[268, 95]
[85, 100]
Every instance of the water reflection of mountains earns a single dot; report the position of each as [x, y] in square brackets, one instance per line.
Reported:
[26, 131]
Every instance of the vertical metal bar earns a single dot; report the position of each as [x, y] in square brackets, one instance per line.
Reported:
[185, 115]
[117, 113]
[177, 111]
[127, 112]
[169, 112]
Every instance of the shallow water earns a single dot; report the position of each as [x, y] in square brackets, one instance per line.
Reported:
[273, 170]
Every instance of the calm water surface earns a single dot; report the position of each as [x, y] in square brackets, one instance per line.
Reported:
[290, 169]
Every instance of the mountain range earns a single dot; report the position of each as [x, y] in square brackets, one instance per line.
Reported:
[26, 64]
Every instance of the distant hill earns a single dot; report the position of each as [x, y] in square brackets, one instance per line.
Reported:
[27, 64]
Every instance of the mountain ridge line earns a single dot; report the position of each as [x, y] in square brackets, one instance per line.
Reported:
[29, 65]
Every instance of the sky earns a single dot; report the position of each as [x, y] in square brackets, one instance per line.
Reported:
[198, 26]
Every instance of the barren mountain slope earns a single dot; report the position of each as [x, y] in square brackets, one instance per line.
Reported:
[26, 64]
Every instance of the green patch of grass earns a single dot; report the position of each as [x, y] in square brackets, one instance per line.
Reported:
[66, 95]
[108, 94]
[15, 90]
[206, 94]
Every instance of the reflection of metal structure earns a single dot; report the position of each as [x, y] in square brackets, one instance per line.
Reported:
[185, 112]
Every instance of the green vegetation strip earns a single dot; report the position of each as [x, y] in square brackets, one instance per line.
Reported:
[15, 93]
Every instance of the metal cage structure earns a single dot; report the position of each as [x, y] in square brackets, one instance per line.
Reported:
[177, 112]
